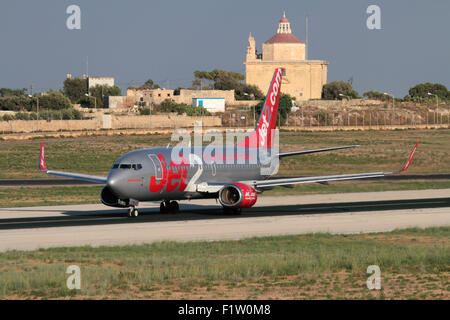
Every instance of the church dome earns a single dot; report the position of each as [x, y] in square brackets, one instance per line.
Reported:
[284, 33]
[283, 38]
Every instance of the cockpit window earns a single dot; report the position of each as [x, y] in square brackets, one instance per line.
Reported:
[128, 166]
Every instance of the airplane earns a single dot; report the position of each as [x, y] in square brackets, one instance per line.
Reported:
[152, 174]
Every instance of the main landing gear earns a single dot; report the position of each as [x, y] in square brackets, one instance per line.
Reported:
[169, 207]
[234, 211]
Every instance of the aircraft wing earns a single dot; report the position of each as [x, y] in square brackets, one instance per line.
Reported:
[77, 176]
[295, 153]
[288, 181]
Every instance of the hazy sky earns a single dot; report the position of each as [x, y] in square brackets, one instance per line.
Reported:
[167, 40]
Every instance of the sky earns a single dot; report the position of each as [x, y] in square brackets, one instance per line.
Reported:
[166, 41]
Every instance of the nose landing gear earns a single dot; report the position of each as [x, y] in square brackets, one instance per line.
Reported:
[169, 207]
[133, 212]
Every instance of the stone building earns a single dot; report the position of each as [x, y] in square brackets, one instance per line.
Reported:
[148, 97]
[303, 78]
[100, 81]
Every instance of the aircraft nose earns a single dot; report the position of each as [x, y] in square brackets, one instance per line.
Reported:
[114, 183]
[112, 180]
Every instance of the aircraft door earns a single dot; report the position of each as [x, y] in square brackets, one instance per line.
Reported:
[157, 167]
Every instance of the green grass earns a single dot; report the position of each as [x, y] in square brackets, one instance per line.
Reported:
[36, 196]
[257, 266]
[379, 151]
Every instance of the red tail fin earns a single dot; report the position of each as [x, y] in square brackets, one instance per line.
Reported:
[262, 136]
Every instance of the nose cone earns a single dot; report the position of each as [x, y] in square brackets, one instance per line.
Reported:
[116, 183]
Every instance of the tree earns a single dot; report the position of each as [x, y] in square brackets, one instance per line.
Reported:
[215, 74]
[102, 91]
[16, 103]
[421, 91]
[6, 92]
[248, 92]
[284, 107]
[226, 80]
[331, 91]
[75, 89]
[55, 100]
[150, 84]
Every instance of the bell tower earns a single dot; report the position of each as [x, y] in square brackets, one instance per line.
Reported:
[284, 25]
[251, 49]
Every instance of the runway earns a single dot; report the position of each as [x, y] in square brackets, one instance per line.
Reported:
[94, 224]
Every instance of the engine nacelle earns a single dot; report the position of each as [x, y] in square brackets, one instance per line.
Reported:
[108, 198]
[237, 195]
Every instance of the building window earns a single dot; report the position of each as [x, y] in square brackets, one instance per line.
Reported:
[284, 72]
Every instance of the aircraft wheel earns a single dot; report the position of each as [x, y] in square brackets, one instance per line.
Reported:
[230, 211]
[163, 207]
[174, 207]
[133, 212]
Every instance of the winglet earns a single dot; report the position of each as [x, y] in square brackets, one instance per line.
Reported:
[42, 165]
[408, 162]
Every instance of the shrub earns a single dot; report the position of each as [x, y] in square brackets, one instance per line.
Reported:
[7, 117]
[169, 105]
[144, 111]
[284, 107]
[22, 116]
[332, 90]
[55, 100]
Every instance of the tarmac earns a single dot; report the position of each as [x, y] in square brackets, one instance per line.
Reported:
[29, 228]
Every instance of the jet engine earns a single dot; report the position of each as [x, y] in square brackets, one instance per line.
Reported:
[237, 195]
[108, 198]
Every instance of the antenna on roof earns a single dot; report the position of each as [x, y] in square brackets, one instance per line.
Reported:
[306, 36]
